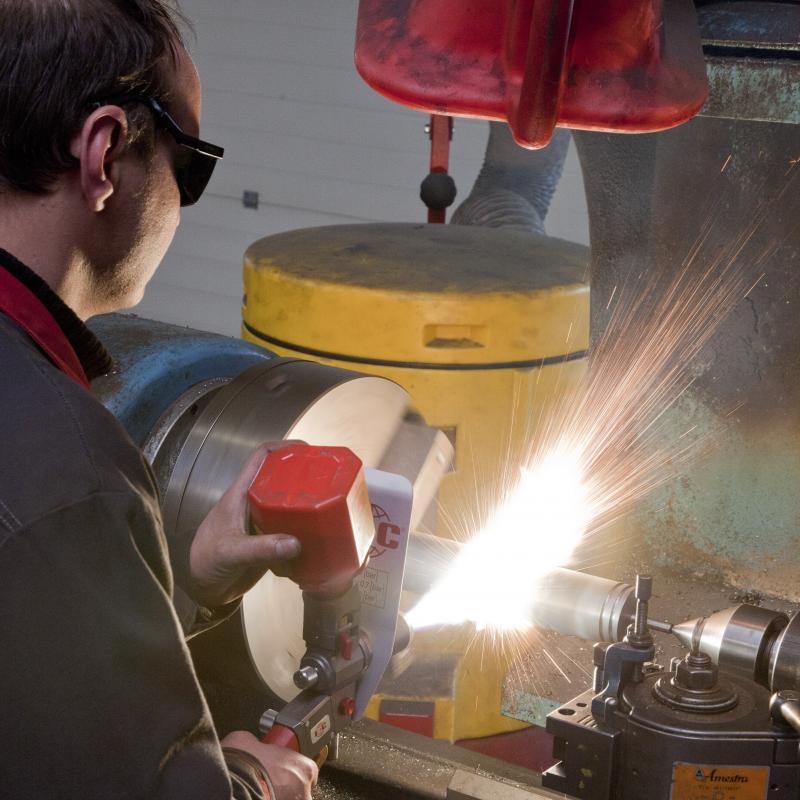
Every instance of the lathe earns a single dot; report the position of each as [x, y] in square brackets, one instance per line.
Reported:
[725, 713]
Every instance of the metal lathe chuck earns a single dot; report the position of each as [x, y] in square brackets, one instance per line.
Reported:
[197, 404]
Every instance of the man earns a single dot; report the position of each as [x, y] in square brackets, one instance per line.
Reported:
[99, 114]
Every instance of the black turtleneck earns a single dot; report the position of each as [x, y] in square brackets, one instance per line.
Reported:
[94, 358]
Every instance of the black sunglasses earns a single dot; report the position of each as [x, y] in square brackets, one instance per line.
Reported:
[196, 159]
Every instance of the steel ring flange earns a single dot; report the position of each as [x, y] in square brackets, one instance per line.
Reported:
[266, 403]
[710, 701]
[286, 398]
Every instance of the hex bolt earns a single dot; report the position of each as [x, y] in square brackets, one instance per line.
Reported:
[696, 672]
[306, 677]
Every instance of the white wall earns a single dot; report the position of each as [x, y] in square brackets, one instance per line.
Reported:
[300, 127]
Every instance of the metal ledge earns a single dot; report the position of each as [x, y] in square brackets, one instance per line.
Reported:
[411, 766]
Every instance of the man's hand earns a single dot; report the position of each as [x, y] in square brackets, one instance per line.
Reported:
[225, 560]
[292, 775]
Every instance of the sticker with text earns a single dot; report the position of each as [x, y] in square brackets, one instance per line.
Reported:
[320, 729]
[373, 585]
[715, 782]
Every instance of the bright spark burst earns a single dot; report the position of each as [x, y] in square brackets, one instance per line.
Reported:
[594, 455]
[553, 494]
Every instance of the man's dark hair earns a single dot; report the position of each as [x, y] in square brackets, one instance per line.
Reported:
[56, 58]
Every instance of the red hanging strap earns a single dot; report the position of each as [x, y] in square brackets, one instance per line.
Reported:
[21, 305]
[440, 130]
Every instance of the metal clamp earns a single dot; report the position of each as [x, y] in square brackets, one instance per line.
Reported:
[621, 661]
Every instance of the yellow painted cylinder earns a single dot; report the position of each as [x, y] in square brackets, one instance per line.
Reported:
[485, 328]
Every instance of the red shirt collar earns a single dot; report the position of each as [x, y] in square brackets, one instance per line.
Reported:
[20, 304]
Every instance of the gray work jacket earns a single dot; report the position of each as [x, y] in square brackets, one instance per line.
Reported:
[99, 696]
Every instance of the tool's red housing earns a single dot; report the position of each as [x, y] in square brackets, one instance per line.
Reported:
[319, 495]
[615, 65]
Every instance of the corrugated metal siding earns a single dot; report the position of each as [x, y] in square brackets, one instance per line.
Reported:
[320, 147]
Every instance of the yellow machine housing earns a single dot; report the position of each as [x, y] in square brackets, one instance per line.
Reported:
[486, 329]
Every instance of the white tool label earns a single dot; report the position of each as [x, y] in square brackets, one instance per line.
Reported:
[373, 584]
[716, 782]
[381, 582]
[320, 729]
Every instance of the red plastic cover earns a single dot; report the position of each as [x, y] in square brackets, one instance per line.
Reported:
[615, 65]
[319, 495]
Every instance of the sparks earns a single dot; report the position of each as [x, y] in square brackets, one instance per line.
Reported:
[490, 578]
[594, 455]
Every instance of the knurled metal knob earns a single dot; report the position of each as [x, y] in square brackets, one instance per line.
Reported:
[644, 587]
[306, 677]
[638, 633]
[267, 720]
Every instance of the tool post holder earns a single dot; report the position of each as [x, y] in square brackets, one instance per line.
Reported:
[692, 730]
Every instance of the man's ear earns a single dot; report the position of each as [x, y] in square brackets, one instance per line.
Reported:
[98, 146]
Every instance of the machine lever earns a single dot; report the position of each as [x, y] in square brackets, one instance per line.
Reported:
[784, 707]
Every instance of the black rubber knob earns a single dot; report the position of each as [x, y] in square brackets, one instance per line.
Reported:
[438, 191]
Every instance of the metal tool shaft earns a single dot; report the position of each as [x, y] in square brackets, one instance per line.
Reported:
[791, 713]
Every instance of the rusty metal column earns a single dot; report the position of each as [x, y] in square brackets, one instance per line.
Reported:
[733, 515]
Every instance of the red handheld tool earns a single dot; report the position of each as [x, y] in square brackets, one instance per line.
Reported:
[319, 495]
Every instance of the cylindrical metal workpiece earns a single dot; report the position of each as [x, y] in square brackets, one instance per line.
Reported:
[579, 604]
[562, 600]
